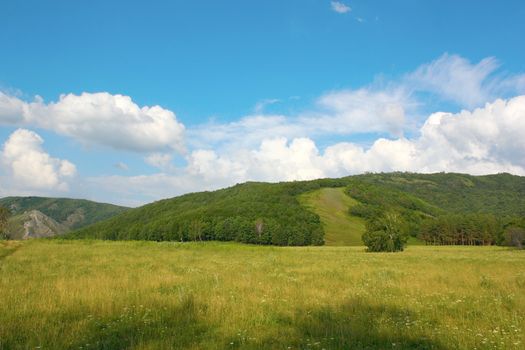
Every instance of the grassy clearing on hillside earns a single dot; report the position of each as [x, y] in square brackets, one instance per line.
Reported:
[332, 204]
[147, 295]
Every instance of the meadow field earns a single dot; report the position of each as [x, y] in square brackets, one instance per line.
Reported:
[145, 295]
[331, 204]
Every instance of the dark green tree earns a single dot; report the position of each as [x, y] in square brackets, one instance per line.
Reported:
[4, 217]
[385, 234]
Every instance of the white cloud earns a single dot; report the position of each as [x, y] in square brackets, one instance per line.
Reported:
[387, 107]
[159, 160]
[485, 140]
[266, 147]
[11, 110]
[340, 7]
[347, 112]
[259, 106]
[454, 78]
[363, 110]
[99, 119]
[492, 135]
[26, 166]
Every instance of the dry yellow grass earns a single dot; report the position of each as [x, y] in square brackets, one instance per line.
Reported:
[145, 295]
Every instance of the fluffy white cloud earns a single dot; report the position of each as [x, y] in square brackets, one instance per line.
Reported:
[99, 119]
[11, 110]
[275, 159]
[491, 136]
[262, 147]
[485, 140]
[340, 7]
[26, 166]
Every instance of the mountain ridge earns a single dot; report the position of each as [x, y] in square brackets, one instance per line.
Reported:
[270, 213]
[33, 217]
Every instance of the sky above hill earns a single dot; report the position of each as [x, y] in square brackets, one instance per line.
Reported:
[133, 101]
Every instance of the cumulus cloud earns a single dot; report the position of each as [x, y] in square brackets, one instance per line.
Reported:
[99, 119]
[397, 124]
[482, 141]
[11, 110]
[340, 7]
[26, 166]
[485, 140]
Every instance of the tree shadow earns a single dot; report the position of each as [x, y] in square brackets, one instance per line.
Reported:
[354, 325]
[174, 328]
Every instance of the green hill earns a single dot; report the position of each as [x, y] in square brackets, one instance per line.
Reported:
[252, 212]
[264, 213]
[501, 194]
[45, 217]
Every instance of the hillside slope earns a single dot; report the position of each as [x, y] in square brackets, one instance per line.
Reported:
[500, 194]
[332, 204]
[264, 213]
[45, 217]
[252, 212]
[34, 224]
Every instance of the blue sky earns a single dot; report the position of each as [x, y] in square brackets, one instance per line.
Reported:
[268, 90]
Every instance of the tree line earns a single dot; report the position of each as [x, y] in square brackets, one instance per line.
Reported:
[462, 229]
[379, 203]
[264, 231]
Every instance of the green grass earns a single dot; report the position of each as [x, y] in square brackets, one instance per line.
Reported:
[146, 295]
[332, 204]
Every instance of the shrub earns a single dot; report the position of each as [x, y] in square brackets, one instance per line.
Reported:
[385, 234]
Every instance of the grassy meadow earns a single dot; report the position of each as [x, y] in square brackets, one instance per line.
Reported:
[145, 295]
[331, 204]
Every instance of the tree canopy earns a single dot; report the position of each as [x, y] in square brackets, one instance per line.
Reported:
[385, 234]
[4, 216]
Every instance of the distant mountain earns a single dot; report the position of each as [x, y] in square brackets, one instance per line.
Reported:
[34, 217]
[265, 213]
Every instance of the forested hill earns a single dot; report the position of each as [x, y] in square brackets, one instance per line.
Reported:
[266, 213]
[251, 212]
[45, 216]
[501, 194]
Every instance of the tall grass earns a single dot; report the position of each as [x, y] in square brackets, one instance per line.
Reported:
[146, 295]
[331, 204]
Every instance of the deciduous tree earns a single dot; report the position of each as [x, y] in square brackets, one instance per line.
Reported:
[385, 234]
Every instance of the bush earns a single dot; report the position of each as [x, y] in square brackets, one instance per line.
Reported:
[385, 234]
